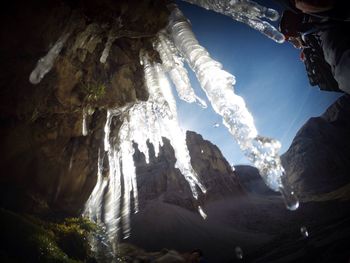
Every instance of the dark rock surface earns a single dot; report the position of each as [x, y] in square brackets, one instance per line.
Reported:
[317, 161]
[45, 157]
[256, 219]
[213, 169]
[251, 180]
[160, 180]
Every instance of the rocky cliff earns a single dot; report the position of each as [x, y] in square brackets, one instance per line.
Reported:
[160, 180]
[257, 220]
[251, 180]
[46, 159]
[317, 161]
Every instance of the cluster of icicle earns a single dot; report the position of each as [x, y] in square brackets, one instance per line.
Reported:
[157, 118]
[115, 196]
[150, 120]
[245, 11]
[218, 86]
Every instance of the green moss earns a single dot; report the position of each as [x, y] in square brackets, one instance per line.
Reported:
[72, 236]
[93, 91]
[30, 239]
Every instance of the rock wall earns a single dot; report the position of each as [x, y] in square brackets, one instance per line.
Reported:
[251, 180]
[160, 180]
[46, 161]
[318, 159]
[316, 163]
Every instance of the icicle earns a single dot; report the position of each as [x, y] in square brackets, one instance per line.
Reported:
[45, 63]
[151, 120]
[112, 36]
[128, 173]
[107, 128]
[177, 72]
[94, 203]
[218, 86]
[157, 118]
[113, 200]
[160, 91]
[245, 11]
[84, 129]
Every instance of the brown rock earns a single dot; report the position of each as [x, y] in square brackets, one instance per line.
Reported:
[43, 150]
[68, 77]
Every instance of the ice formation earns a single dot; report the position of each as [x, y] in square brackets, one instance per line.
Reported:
[218, 86]
[84, 129]
[245, 11]
[115, 196]
[45, 63]
[142, 121]
[112, 36]
[173, 63]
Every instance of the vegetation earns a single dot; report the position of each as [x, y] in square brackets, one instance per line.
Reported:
[30, 239]
[93, 91]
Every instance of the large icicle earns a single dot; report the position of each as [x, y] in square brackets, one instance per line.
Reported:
[112, 36]
[173, 63]
[45, 63]
[167, 117]
[218, 86]
[247, 12]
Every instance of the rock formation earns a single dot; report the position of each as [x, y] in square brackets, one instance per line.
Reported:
[316, 162]
[44, 153]
[251, 180]
[160, 180]
[318, 159]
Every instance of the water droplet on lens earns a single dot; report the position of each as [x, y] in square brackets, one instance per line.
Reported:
[202, 213]
[304, 232]
[290, 199]
[239, 252]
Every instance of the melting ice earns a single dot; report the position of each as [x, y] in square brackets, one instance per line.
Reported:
[45, 63]
[245, 11]
[173, 63]
[84, 129]
[143, 121]
[218, 86]
[115, 196]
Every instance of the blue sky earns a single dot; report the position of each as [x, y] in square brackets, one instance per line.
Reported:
[269, 76]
